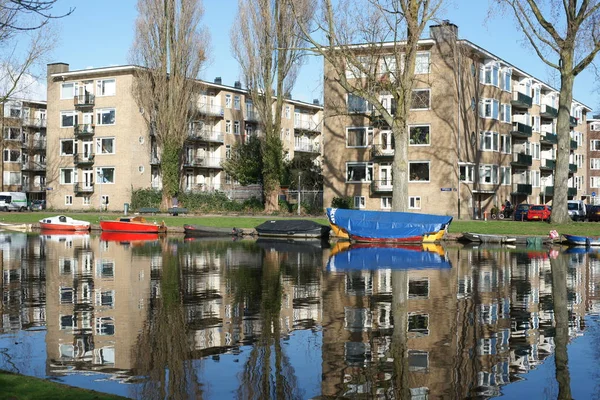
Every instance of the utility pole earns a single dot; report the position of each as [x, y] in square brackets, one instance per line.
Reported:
[299, 202]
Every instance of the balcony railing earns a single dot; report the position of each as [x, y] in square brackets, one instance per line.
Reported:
[251, 116]
[382, 186]
[35, 122]
[549, 191]
[306, 125]
[574, 144]
[521, 160]
[210, 110]
[521, 130]
[204, 162]
[33, 166]
[32, 187]
[85, 100]
[521, 189]
[307, 148]
[549, 139]
[81, 159]
[547, 111]
[572, 168]
[573, 121]
[84, 130]
[548, 164]
[378, 151]
[84, 188]
[521, 100]
[206, 135]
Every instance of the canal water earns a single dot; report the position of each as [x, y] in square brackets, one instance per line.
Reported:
[218, 319]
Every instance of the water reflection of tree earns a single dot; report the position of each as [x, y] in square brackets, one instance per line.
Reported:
[268, 372]
[163, 350]
[560, 267]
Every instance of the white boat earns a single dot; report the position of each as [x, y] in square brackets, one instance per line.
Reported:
[486, 238]
[64, 223]
[16, 227]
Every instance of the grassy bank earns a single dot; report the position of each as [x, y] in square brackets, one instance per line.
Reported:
[246, 221]
[19, 387]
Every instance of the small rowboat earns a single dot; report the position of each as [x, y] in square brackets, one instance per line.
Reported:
[292, 229]
[210, 231]
[485, 238]
[132, 224]
[64, 223]
[575, 240]
[16, 227]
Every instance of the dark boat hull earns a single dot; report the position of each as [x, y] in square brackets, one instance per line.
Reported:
[210, 231]
[292, 229]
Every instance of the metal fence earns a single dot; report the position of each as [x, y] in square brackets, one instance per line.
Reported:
[312, 198]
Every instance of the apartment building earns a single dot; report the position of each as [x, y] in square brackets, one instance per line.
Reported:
[480, 133]
[593, 135]
[24, 147]
[100, 148]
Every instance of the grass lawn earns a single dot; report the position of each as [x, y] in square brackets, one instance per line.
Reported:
[19, 387]
[230, 221]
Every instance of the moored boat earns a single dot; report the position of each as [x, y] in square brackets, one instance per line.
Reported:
[486, 238]
[208, 231]
[132, 224]
[388, 227]
[63, 223]
[128, 237]
[575, 240]
[294, 228]
[16, 227]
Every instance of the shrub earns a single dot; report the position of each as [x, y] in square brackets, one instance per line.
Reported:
[342, 202]
[284, 206]
[145, 198]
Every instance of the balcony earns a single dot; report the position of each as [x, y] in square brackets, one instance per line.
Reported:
[251, 116]
[573, 121]
[82, 188]
[548, 112]
[521, 160]
[204, 162]
[35, 144]
[549, 139]
[85, 100]
[521, 100]
[547, 165]
[83, 131]
[382, 186]
[33, 187]
[307, 148]
[306, 124]
[205, 135]
[521, 130]
[521, 189]
[572, 168]
[549, 191]
[34, 122]
[210, 110]
[81, 159]
[378, 151]
[574, 144]
[33, 166]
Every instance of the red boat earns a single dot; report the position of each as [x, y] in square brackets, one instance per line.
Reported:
[128, 237]
[132, 224]
[63, 223]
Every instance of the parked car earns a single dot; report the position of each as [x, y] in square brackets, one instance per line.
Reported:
[520, 213]
[593, 213]
[577, 210]
[539, 212]
[38, 205]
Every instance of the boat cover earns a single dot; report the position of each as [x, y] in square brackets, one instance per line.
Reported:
[387, 225]
[291, 227]
[392, 257]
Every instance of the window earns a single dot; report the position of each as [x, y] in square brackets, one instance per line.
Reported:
[227, 101]
[357, 104]
[105, 298]
[105, 145]
[535, 178]
[505, 146]
[236, 127]
[359, 136]
[421, 99]
[359, 172]
[386, 203]
[535, 123]
[505, 175]
[467, 173]
[418, 288]
[105, 116]
[418, 171]
[488, 174]
[227, 126]
[228, 179]
[105, 326]
[66, 176]
[288, 112]
[105, 87]
[505, 83]
[418, 324]
[422, 63]
[67, 91]
[68, 119]
[68, 147]
[104, 200]
[11, 155]
[535, 151]
[228, 151]
[236, 102]
[12, 133]
[414, 202]
[359, 202]
[579, 160]
[595, 182]
[67, 322]
[105, 175]
[488, 141]
[86, 200]
[489, 74]
[578, 182]
[489, 108]
[12, 177]
[419, 135]
[68, 200]
[505, 113]
[594, 163]
[536, 94]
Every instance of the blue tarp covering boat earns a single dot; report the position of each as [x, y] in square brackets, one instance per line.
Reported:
[382, 225]
[383, 257]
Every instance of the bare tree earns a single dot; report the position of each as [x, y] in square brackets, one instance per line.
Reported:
[266, 43]
[565, 34]
[371, 49]
[171, 47]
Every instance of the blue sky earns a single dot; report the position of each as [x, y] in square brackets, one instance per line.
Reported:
[100, 33]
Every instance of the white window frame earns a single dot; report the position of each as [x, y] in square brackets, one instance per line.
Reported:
[469, 176]
[535, 150]
[236, 127]
[360, 201]
[536, 123]
[86, 201]
[105, 200]
[429, 101]
[227, 101]
[535, 178]
[537, 94]
[506, 79]
[62, 90]
[428, 134]
[494, 68]
[595, 182]
[102, 111]
[428, 171]
[68, 200]
[68, 113]
[505, 175]
[101, 87]
[62, 176]
[423, 63]
[237, 102]
[414, 202]
[60, 147]
[594, 163]
[368, 168]
[227, 126]
[6, 156]
[386, 203]
[368, 133]
[288, 112]
[506, 144]
[595, 145]
[494, 108]
[506, 113]
[97, 175]
[493, 169]
[494, 141]
[99, 141]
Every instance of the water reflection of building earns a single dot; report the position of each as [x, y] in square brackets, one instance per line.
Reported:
[22, 282]
[97, 296]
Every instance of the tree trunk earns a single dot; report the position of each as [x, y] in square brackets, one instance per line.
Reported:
[170, 173]
[561, 321]
[400, 167]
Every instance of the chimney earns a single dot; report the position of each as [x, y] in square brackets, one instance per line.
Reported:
[444, 32]
[218, 80]
[237, 85]
[56, 68]
[316, 102]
